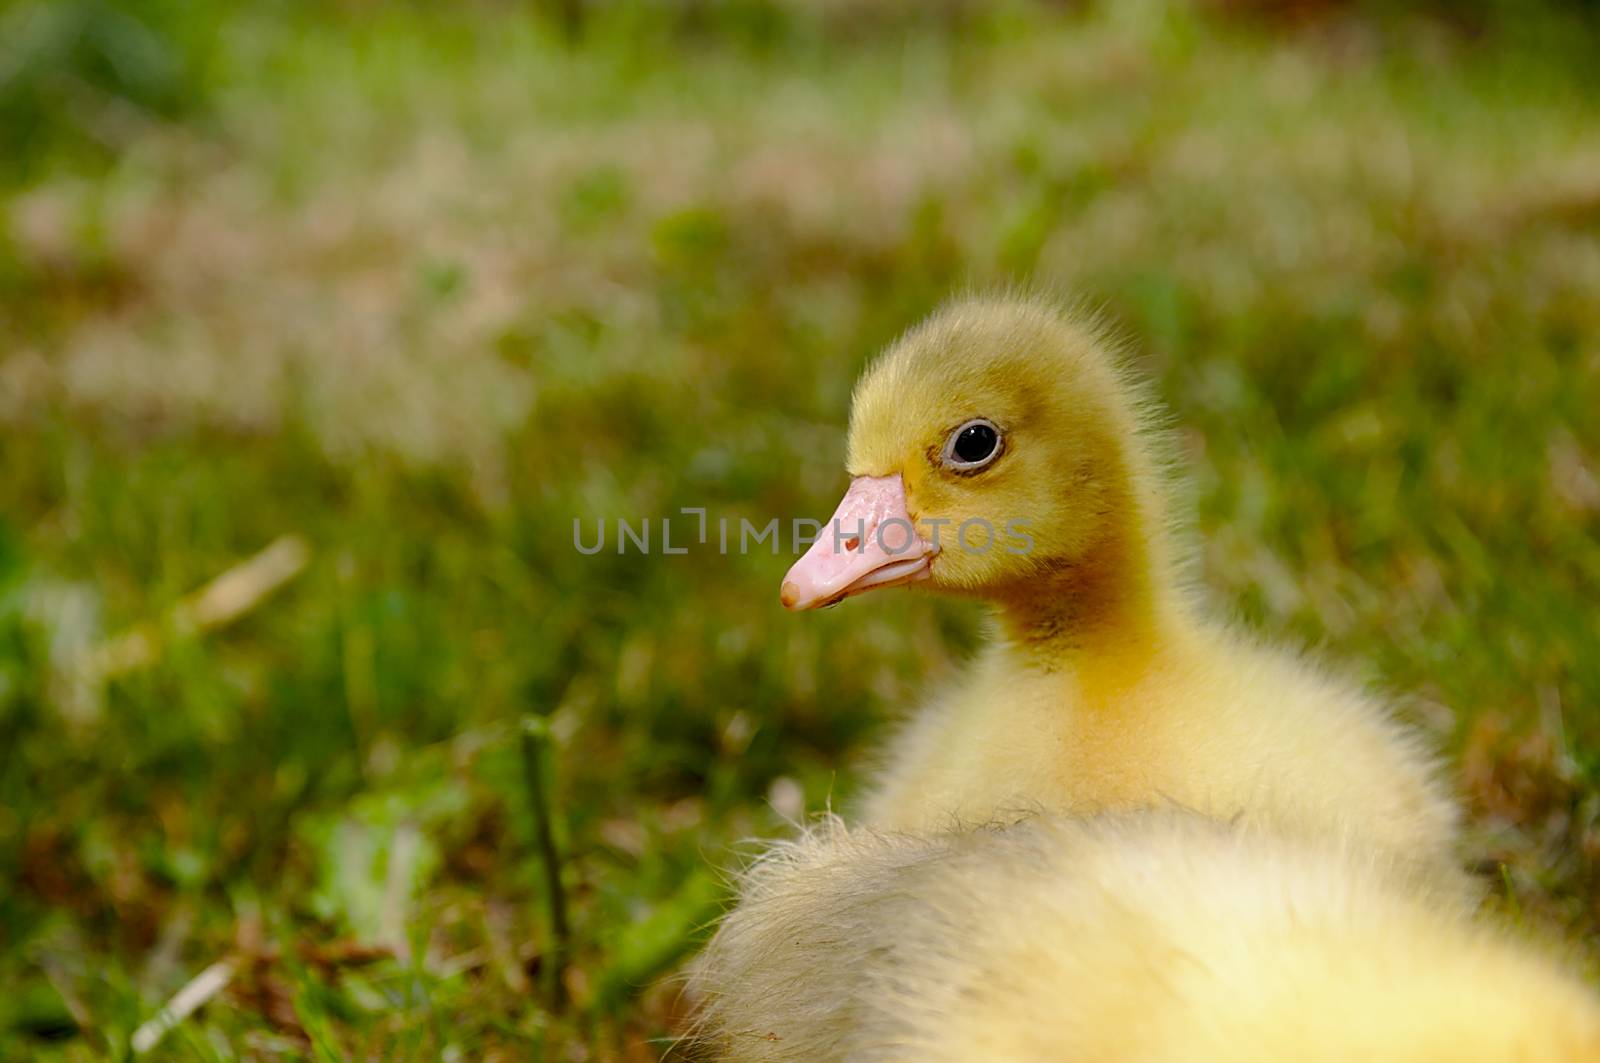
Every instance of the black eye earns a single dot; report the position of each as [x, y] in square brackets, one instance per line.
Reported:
[972, 446]
[975, 442]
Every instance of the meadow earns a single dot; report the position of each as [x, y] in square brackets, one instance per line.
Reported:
[321, 324]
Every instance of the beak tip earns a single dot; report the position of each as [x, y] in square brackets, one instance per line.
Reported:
[789, 594]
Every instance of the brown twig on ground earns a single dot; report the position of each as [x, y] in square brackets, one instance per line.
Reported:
[535, 743]
[185, 1002]
[222, 601]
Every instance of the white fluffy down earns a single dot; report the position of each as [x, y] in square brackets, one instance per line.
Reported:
[1154, 936]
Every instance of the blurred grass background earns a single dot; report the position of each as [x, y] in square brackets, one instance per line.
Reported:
[405, 289]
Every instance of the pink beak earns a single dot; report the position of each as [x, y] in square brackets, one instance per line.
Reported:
[869, 542]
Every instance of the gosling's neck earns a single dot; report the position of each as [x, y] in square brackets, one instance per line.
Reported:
[1105, 616]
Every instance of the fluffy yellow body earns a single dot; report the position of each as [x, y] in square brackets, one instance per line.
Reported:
[1140, 938]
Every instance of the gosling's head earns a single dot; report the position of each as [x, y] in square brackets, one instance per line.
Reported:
[994, 443]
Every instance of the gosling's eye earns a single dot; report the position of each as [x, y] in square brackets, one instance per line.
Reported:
[972, 446]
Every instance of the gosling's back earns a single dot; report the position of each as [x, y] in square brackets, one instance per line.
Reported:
[1152, 937]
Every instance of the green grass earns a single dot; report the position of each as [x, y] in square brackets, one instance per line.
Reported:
[420, 289]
